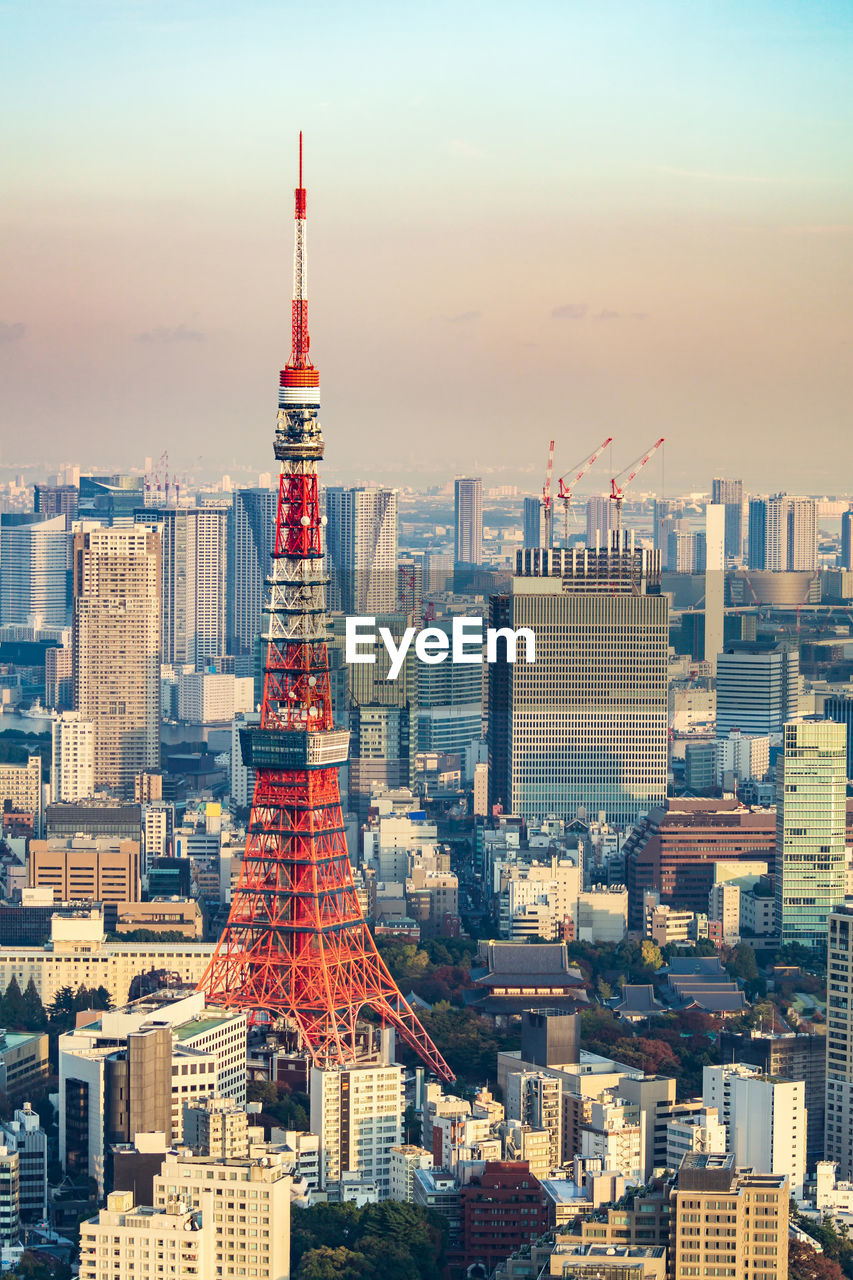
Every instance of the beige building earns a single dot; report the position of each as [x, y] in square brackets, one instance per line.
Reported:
[80, 954]
[251, 1225]
[81, 869]
[116, 643]
[21, 789]
[164, 915]
[727, 1221]
[127, 1241]
[216, 1127]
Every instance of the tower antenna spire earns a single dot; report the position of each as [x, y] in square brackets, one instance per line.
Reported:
[296, 949]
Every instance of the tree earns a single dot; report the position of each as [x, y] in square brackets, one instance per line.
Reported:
[804, 1263]
[650, 953]
[35, 1018]
[12, 1007]
[332, 1264]
[741, 962]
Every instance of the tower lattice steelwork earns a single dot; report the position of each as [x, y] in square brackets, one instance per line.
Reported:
[296, 944]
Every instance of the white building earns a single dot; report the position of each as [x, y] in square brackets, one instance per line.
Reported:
[534, 1098]
[765, 1119]
[703, 1132]
[724, 905]
[539, 898]
[614, 1133]
[242, 777]
[602, 914]
[358, 1114]
[205, 697]
[404, 1161]
[362, 549]
[738, 757]
[72, 768]
[158, 825]
[127, 1240]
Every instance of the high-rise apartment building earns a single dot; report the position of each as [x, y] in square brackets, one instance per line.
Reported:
[56, 500]
[789, 1056]
[72, 772]
[730, 494]
[468, 517]
[194, 542]
[21, 789]
[757, 687]
[24, 1135]
[584, 726]
[599, 521]
[782, 533]
[361, 542]
[358, 1114]
[251, 534]
[811, 789]
[838, 1144]
[33, 568]
[116, 649]
[728, 1222]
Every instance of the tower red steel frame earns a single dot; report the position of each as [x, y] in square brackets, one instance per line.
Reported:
[296, 944]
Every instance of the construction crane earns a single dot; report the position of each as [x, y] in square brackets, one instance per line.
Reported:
[546, 499]
[577, 473]
[617, 490]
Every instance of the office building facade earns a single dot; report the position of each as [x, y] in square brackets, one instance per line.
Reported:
[584, 726]
[72, 771]
[729, 493]
[838, 1144]
[33, 568]
[811, 788]
[757, 687]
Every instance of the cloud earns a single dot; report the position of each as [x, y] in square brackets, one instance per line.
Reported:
[12, 332]
[620, 315]
[705, 175]
[175, 333]
[464, 317]
[570, 311]
[581, 311]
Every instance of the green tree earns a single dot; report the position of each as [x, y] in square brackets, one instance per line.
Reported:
[741, 962]
[651, 954]
[12, 1007]
[35, 1018]
[328, 1263]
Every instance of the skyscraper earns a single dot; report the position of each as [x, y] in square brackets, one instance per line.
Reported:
[847, 539]
[838, 1145]
[193, 580]
[534, 530]
[730, 494]
[811, 788]
[782, 534]
[716, 516]
[585, 724]
[251, 536]
[599, 521]
[757, 687]
[33, 568]
[468, 540]
[56, 500]
[361, 541]
[116, 649]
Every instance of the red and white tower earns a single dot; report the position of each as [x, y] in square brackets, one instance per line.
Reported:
[296, 945]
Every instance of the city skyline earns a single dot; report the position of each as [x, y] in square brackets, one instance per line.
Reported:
[652, 239]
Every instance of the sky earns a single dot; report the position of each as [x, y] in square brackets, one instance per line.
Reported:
[567, 219]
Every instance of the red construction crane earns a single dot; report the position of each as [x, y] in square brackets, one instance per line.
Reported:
[577, 473]
[617, 490]
[546, 499]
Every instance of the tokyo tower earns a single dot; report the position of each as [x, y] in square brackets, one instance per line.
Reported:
[296, 945]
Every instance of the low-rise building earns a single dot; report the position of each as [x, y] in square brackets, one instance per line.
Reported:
[728, 1221]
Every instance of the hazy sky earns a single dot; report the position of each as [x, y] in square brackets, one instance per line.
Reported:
[573, 219]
